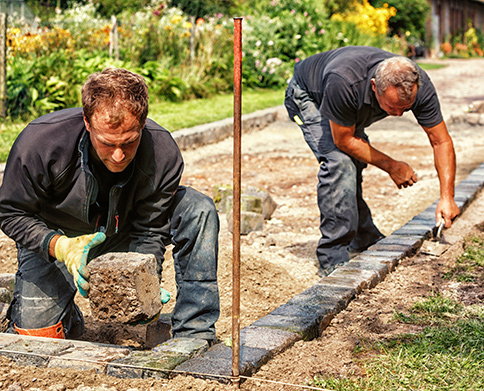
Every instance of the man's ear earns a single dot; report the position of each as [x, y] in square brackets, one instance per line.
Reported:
[373, 85]
[86, 123]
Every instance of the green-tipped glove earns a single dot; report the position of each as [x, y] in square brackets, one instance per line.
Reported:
[73, 252]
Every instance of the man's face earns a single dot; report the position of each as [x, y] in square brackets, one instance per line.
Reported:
[115, 146]
[391, 103]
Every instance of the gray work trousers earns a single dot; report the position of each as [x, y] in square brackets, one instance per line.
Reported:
[345, 219]
[44, 292]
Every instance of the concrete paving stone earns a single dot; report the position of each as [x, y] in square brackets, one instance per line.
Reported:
[145, 364]
[422, 230]
[409, 240]
[251, 359]
[8, 339]
[36, 352]
[336, 297]
[402, 248]
[272, 340]
[307, 328]
[365, 279]
[391, 262]
[217, 369]
[377, 266]
[88, 357]
[185, 346]
[321, 316]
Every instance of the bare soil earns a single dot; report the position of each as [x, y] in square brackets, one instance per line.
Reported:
[280, 262]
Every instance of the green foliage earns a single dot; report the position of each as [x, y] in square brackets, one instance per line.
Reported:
[106, 8]
[202, 8]
[410, 19]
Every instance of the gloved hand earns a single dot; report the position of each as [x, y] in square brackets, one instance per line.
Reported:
[165, 296]
[73, 252]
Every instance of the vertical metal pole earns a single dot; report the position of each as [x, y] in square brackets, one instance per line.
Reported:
[236, 201]
[3, 64]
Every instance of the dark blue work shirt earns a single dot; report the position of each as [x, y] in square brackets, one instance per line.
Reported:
[339, 81]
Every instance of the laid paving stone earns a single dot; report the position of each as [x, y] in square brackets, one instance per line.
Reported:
[272, 340]
[401, 248]
[413, 229]
[336, 297]
[307, 328]
[250, 358]
[35, 351]
[391, 262]
[367, 278]
[188, 347]
[145, 365]
[8, 339]
[124, 287]
[217, 369]
[377, 266]
[408, 240]
[89, 357]
[364, 279]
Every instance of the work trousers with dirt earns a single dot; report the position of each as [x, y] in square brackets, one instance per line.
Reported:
[345, 218]
[44, 292]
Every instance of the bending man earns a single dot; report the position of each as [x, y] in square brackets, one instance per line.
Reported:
[85, 181]
[333, 97]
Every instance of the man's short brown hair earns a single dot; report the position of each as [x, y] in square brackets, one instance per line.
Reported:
[116, 90]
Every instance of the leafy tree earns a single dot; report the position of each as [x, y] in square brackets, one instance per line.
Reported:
[411, 16]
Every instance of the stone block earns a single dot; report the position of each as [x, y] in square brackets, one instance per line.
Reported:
[307, 328]
[185, 346]
[272, 340]
[249, 221]
[145, 364]
[366, 279]
[7, 280]
[250, 358]
[88, 357]
[35, 351]
[124, 287]
[268, 203]
[221, 195]
[5, 295]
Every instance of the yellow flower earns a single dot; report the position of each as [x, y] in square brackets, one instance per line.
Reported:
[176, 19]
[187, 25]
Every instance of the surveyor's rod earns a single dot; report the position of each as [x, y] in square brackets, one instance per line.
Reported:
[236, 200]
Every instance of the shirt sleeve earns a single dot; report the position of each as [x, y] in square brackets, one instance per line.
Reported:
[339, 102]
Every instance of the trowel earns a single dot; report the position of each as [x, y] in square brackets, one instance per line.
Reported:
[437, 244]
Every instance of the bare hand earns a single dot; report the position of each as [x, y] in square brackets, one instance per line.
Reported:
[447, 210]
[402, 174]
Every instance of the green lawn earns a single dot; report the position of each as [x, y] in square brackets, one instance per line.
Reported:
[174, 116]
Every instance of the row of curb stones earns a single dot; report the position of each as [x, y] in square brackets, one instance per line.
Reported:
[304, 317]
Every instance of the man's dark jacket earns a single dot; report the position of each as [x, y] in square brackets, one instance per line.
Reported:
[49, 188]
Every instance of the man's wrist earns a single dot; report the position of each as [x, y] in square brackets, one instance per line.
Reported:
[52, 243]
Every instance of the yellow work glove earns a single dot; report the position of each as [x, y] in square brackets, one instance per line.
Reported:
[73, 252]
